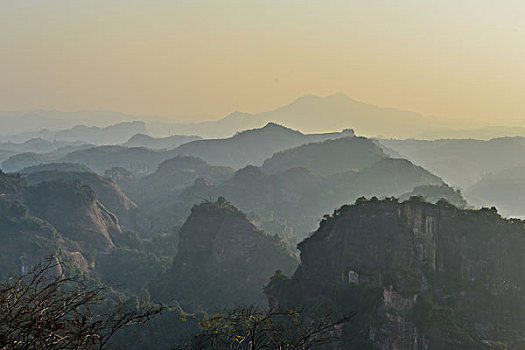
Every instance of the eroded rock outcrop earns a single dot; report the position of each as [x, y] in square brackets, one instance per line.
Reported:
[73, 209]
[441, 277]
[107, 192]
[223, 260]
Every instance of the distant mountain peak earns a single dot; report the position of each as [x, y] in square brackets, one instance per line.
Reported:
[275, 126]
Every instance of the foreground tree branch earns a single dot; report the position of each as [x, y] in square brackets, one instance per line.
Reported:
[251, 328]
[46, 310]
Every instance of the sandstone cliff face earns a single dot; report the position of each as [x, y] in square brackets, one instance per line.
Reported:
[449, 278]
[73, 209]
[28, 241]
[107, 192]
[223, 259]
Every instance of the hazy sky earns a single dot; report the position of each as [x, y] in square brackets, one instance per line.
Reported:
[204, 59]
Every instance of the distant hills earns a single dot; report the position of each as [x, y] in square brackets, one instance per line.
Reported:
[461, 162]
[328, 157]
[252, 147]
[504, 189]
[309, 114]
[109, 135]
[23, 125]
[288, 193]
[313, 114]
[170, 142]
[246, 148]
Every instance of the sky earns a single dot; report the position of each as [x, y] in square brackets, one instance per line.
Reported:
[193, 60]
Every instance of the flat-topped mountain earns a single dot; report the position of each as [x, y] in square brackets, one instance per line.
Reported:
[419, 276]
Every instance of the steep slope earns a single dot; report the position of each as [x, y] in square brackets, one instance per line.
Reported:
[168, 215]
[223, 260]
[504, 189]
[174, 175]
[388, 177]
[170, 142]
[300, 198]
[432, 276]
[106, 191]
[5, 155]
[139, 161]
[251, 147]
[74, 210]
[462, 162]
[435, 193]
[120, 176]
[27, 241]
[328, 157]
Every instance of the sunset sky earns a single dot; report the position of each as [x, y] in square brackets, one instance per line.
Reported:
[196, 60]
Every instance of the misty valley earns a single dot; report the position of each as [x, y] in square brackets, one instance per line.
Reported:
[268, 239]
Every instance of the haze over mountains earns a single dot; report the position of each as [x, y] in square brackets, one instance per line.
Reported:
[309, 114]
[202, 224]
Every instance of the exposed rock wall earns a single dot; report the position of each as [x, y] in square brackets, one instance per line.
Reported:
[470, 264]
[223, 260]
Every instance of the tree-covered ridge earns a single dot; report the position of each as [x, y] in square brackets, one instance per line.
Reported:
[72, 207]
[436, 275]
[434, 193]
[10, 183]
[27, 239]
[106, 191]
[328, 157]
[222, 260]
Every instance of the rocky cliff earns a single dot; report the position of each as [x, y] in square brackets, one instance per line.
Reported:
[435, 276]
[107, 192]
[223, 260]
[28, 241]
[73, 209]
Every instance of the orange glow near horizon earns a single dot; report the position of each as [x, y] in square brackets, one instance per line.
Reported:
[198, 60]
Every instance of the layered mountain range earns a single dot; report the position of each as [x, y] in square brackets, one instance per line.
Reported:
[204, 225]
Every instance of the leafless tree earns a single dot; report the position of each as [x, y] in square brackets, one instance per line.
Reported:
[251, 328]
[46, 310]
